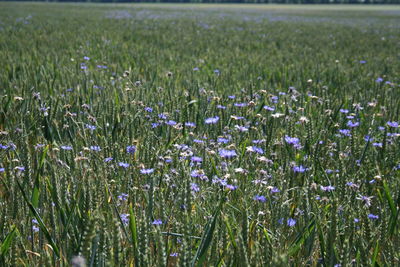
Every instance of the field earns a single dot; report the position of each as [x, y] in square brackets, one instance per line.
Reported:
[199, 135]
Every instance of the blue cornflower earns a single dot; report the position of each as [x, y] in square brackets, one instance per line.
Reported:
[379, 80]
[196, 159]
[190, 124]
[95, 148]
[300, 169]
[292, 140]
[194, 187]
[2, 170]
[240, 105]
[20, 168]
[373, 216]
[131, 149]
[393, 124]
[327, 188]
[108, 159]
[260, 198]
[352, 124]
[222, 140]
[157, 222]
[171, 123]
[123, 197]
[123, 164]
[125, 218]
[345, 132]
[86, 58]
[345, 111]
[146, 171]
[212, 120]
[255, 149]
[291, 222]
[269, 108]
[148, 109]
[66, 147]
[225, 153]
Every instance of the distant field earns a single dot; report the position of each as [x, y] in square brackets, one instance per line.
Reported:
[199, 135]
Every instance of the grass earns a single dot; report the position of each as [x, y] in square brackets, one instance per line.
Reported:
[290, 157]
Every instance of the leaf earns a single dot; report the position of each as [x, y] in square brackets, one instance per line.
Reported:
[301, 238]
[206, 238]
[36, 188]
[42, 226]
[5, 246]
[134, 235]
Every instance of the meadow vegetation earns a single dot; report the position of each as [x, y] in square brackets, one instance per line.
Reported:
[199, 135]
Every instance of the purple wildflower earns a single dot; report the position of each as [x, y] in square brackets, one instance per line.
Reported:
[373, 216]
[300, 169]
[146, 171]
[291, 222]
[393, 124]
[260, 198]
[123, 165]
[157, 222]
[212, 120]
[225, 153]
[131, 149]
[95, 148]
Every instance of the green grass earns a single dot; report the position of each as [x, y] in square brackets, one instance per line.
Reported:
[310, 64]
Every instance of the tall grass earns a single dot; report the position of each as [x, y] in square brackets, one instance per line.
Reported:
[144, 136]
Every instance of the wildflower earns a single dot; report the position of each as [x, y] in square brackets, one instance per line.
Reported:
[95, 148]
[225, 153]
[221, 107]
[131, 149]
[171, 123]
[108, 159]
[260, 198]
[345, 132]
[190, 124]
[66, 147]
[377, 144]
[196, 159]
[269, 108]
[125, 218]
[123, 197]
[123, 165]
[230, 187]
[255, 149]
[300, 169]
[20, 168]
[291, 222]
[2, 169]
[222, 140]
[212, 120]
[366, 200]
[328, 188]
[175, 254]
[240, 105]
[379, 80]
[352, 124]
[373, 216]
[194, 187]
[146, 171]
[86, 58]
[148, 109]
[157, 222]
[393, 124]
[292, 140]
[345, 111]
[241, 128]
